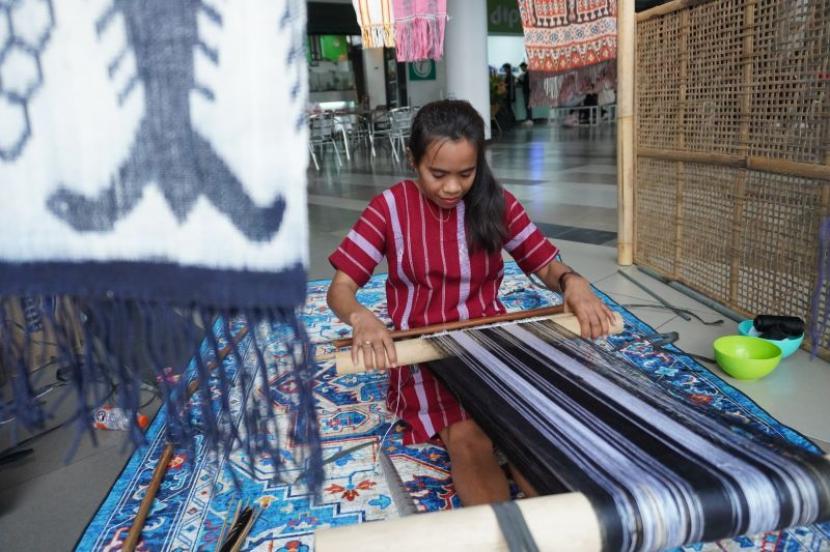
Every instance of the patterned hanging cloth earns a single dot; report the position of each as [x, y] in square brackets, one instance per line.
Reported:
[152, 162]
[564, 37]
[376, 21]
[419, 29]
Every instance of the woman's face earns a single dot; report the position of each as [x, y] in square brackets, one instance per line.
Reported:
[447, 171]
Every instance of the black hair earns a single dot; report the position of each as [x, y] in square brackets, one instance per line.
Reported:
[484, 204]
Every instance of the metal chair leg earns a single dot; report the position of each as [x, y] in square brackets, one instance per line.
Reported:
[336, 153]
[394, 149]
[314, 157]
[346, 145]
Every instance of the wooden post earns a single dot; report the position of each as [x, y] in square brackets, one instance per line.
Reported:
[683, 53]
[626, 36]
[743, 149]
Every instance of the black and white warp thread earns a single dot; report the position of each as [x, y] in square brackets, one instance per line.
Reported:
[658, 470]
[152, 166]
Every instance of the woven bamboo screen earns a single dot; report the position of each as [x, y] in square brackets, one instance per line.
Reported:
[733, 149]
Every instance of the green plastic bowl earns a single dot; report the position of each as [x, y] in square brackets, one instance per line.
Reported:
[745, 357]
[788, 346]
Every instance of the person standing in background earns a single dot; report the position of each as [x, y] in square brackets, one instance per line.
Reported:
[510, 97]
[524, 83]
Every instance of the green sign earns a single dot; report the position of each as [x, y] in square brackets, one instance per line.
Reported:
[334, 47]
[503, 17]
[422, 70]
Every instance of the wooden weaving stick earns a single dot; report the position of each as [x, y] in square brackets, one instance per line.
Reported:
[561, 522]
[462, 324]
[415, 351]
[164, 461]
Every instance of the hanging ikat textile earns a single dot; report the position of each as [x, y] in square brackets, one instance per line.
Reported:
[152, 166]
[561, 35]
[659, 470]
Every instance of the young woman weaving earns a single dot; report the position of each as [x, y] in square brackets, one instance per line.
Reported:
[443, 236]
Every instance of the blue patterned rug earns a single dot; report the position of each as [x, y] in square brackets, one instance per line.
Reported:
[198, 493]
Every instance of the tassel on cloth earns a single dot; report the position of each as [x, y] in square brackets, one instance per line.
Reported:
[377, 22]
[419, 29]
[109, 350]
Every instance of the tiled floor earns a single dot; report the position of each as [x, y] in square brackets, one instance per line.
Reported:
[565, 178]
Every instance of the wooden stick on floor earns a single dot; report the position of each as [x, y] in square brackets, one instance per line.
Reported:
[164, 461]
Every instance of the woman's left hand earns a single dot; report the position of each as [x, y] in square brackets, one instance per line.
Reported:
[595, 319]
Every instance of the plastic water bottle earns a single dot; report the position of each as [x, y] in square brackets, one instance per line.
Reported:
[117, 419]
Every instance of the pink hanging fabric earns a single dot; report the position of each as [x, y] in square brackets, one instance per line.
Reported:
[419, 29]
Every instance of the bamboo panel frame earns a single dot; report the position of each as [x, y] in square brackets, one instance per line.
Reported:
[733, 149]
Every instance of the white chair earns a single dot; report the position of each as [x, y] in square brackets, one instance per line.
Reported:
[322, 128]
[400, 122]
[381, 127]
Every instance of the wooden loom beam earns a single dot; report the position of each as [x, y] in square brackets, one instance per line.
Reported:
[558, 523]
[562, 522]
[416, 351]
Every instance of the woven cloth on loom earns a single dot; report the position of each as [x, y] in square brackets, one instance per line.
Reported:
[419, 29]
[199, 494]
[658, 470]
[377, 22]
[152, 161]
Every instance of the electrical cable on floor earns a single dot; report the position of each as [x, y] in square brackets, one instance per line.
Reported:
[675, 310]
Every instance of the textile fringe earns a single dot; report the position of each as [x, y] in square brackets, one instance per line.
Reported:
[548, 87]
[420, 37]
[111, 348]
[378, 36]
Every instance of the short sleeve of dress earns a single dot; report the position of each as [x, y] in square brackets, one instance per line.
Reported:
[525, 242]
[365, 244]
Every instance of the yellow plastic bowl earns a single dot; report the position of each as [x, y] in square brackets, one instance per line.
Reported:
[745, 357]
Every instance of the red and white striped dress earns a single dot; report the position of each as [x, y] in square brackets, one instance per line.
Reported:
[433, 278]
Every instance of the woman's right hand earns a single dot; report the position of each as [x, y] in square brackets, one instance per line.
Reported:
[371, 336]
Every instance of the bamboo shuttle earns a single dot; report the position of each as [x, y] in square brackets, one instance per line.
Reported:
[416, 351]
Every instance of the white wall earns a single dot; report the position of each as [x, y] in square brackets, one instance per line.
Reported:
[422, 92]
[375, 79]
[505, 49]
